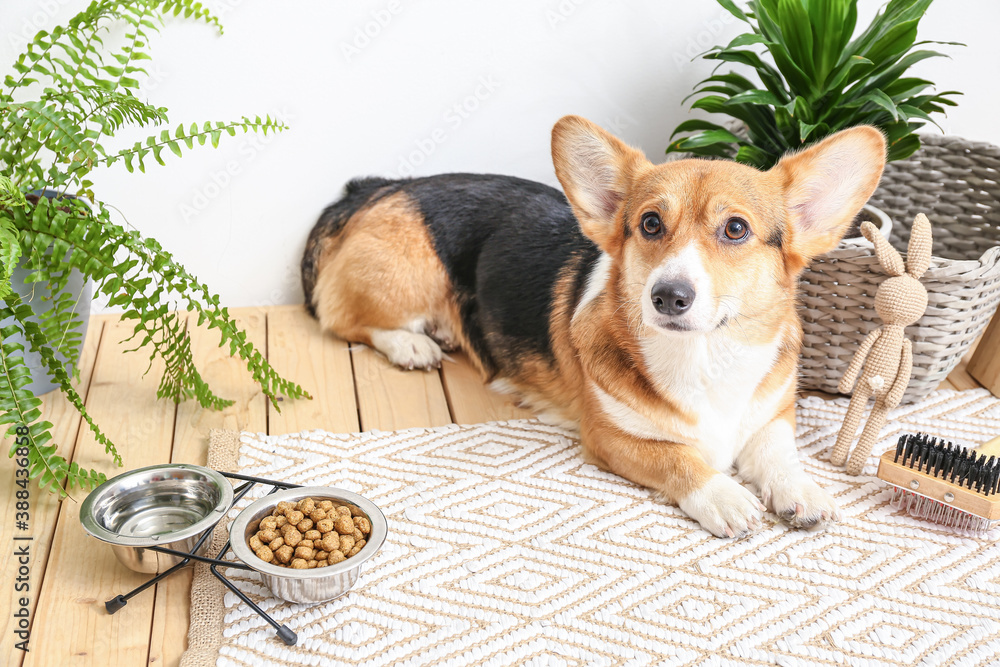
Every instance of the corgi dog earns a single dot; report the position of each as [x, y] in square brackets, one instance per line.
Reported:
[653, 306]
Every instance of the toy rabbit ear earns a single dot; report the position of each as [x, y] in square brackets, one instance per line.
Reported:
[888, 257]
[918, 255]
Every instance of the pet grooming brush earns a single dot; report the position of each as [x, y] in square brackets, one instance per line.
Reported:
[944, 483]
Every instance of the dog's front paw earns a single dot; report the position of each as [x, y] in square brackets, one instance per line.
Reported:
[724, 507]
[802, 503]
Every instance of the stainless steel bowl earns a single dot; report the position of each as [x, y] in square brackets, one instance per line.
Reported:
[318, 584]
[163, 505]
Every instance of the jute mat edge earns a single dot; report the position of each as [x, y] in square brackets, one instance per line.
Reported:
[207, 610]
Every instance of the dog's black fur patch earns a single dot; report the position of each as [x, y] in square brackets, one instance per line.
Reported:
[503, 241]
[775, 239]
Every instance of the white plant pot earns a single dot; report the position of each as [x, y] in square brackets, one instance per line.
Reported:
[35, 294]
[38, 296]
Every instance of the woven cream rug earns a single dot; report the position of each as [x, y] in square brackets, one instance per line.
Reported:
[505, 548]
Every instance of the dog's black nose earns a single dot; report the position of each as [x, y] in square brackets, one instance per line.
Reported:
[673, 298]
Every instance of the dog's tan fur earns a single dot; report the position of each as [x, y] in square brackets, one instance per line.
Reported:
[362, 287]
[635, 418]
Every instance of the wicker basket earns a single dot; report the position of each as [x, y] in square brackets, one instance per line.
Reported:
[956, 183]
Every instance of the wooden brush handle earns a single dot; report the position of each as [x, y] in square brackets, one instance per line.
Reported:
[991, 448]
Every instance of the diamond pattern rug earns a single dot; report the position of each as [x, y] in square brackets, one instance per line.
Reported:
[505, 548]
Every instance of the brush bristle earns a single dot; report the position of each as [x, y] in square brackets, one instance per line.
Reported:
[949, 462]
[937, 512]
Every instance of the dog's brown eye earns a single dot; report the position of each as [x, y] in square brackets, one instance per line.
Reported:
[737, 229]
[651, 224]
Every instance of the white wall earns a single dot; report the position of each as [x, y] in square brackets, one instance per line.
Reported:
[442, 85]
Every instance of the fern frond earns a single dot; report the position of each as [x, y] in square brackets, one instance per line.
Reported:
[88, 93]
[170, 275]
[39, 343]
[113, 109]
[189, 9]
[10, 194]
[60, 324]
[10, 246]
[141, 283]
[22, 410]
[185, 137]
[56, 132]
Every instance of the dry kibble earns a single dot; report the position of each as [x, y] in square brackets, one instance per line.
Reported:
[344, 525]
[330, 542]
[293, 537]
[310, 533]
[306, 505]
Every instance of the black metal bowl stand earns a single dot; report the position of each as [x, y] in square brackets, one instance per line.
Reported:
[284, 632]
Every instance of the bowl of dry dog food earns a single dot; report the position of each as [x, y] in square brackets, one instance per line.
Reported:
[308, 543]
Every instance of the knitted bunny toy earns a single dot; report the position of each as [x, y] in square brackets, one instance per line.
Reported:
[900, 301]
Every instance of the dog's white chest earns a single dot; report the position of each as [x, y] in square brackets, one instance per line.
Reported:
[712, 378]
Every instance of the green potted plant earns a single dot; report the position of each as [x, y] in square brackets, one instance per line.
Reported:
[814, 72]
[67, 97]
[813, 78]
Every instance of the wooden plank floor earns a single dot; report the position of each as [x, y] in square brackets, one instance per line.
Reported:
[71, 575]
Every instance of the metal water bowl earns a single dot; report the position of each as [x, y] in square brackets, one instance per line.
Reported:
[159, 506]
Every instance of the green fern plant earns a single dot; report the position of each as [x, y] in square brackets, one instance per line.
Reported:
[814, 80]
[53, 142]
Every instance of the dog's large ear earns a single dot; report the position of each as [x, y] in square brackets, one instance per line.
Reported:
[826, 185]
[595, 169]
